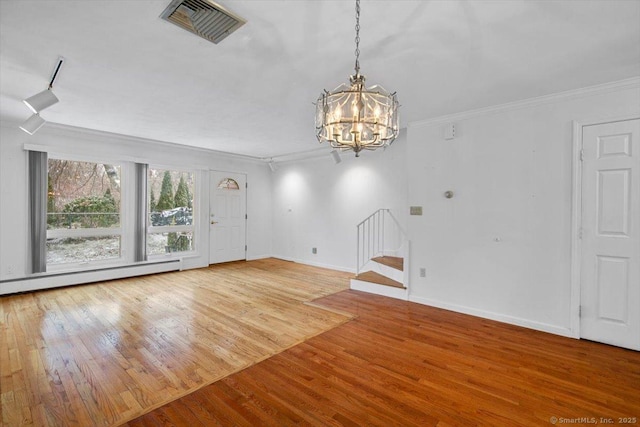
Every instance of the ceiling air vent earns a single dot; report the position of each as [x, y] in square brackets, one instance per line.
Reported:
[203, 18]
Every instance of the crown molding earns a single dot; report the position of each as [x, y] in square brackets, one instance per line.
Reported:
[104, 134]
[631, 83]
[59, 128]
[299, 155]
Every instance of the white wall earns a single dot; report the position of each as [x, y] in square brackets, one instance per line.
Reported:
[501, 247]
[98, 145]
[317, 203]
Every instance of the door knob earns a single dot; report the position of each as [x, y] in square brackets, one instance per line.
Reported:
[214, 222]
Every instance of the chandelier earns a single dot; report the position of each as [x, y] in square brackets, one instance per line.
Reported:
[354, 117]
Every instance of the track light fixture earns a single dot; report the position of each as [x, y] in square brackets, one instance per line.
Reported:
[32, 124]
[273, 166]
[39, 102]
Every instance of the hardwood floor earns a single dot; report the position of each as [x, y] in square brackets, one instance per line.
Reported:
[106, 353]
[404, 364]
[102, 354]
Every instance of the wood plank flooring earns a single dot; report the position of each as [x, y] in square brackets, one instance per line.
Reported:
[404, 364]
[102, 354]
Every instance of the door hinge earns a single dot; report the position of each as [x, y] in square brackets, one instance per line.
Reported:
[580, 311]
[580, 232]
[582, 154]
[246, 185]
[245, 248]
[246, 216]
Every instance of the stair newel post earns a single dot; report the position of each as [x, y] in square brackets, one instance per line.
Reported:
[377, 234]
[380, 216]
[358, 252]
[374, 237]
[368, 239]
[382, 233]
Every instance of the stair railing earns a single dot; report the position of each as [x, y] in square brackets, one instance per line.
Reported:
[371, 236]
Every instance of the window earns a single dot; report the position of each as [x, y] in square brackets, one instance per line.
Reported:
[83, 212]
[228, 184]
[170, 196]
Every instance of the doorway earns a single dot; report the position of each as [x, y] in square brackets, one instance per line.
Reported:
[608, 234]
[227, 217]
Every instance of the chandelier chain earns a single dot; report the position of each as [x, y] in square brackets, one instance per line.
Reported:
[357, 37]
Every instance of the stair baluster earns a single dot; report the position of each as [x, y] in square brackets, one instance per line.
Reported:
[372, 251]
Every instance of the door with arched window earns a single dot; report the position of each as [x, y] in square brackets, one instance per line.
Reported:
[227, 217]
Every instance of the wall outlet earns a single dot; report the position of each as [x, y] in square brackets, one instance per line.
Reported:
[314, 250]
[423, 272]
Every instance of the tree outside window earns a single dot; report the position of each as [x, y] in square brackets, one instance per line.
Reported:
[171, 214]
[83, 211]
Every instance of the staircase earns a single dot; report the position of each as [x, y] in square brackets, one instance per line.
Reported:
[382, 255]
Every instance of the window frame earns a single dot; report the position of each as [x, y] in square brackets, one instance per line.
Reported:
[161, 229]
[119, 231]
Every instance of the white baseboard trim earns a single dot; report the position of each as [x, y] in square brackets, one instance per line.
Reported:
[256, 257]
[36, 283]
[316, 264]
[512, 320]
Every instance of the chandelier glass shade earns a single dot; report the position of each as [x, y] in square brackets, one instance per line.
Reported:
[354, 117]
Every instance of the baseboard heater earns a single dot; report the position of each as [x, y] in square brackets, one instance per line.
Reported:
[59, 279]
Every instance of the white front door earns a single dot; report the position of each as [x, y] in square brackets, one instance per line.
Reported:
[610, 260]
[227, 217]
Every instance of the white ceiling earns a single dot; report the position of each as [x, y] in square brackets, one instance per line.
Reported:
[127, 71]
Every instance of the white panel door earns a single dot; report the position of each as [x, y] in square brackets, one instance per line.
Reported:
[227, 217]
[610, 260]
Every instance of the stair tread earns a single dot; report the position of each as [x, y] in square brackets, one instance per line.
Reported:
[390, 261]
[373, 277]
